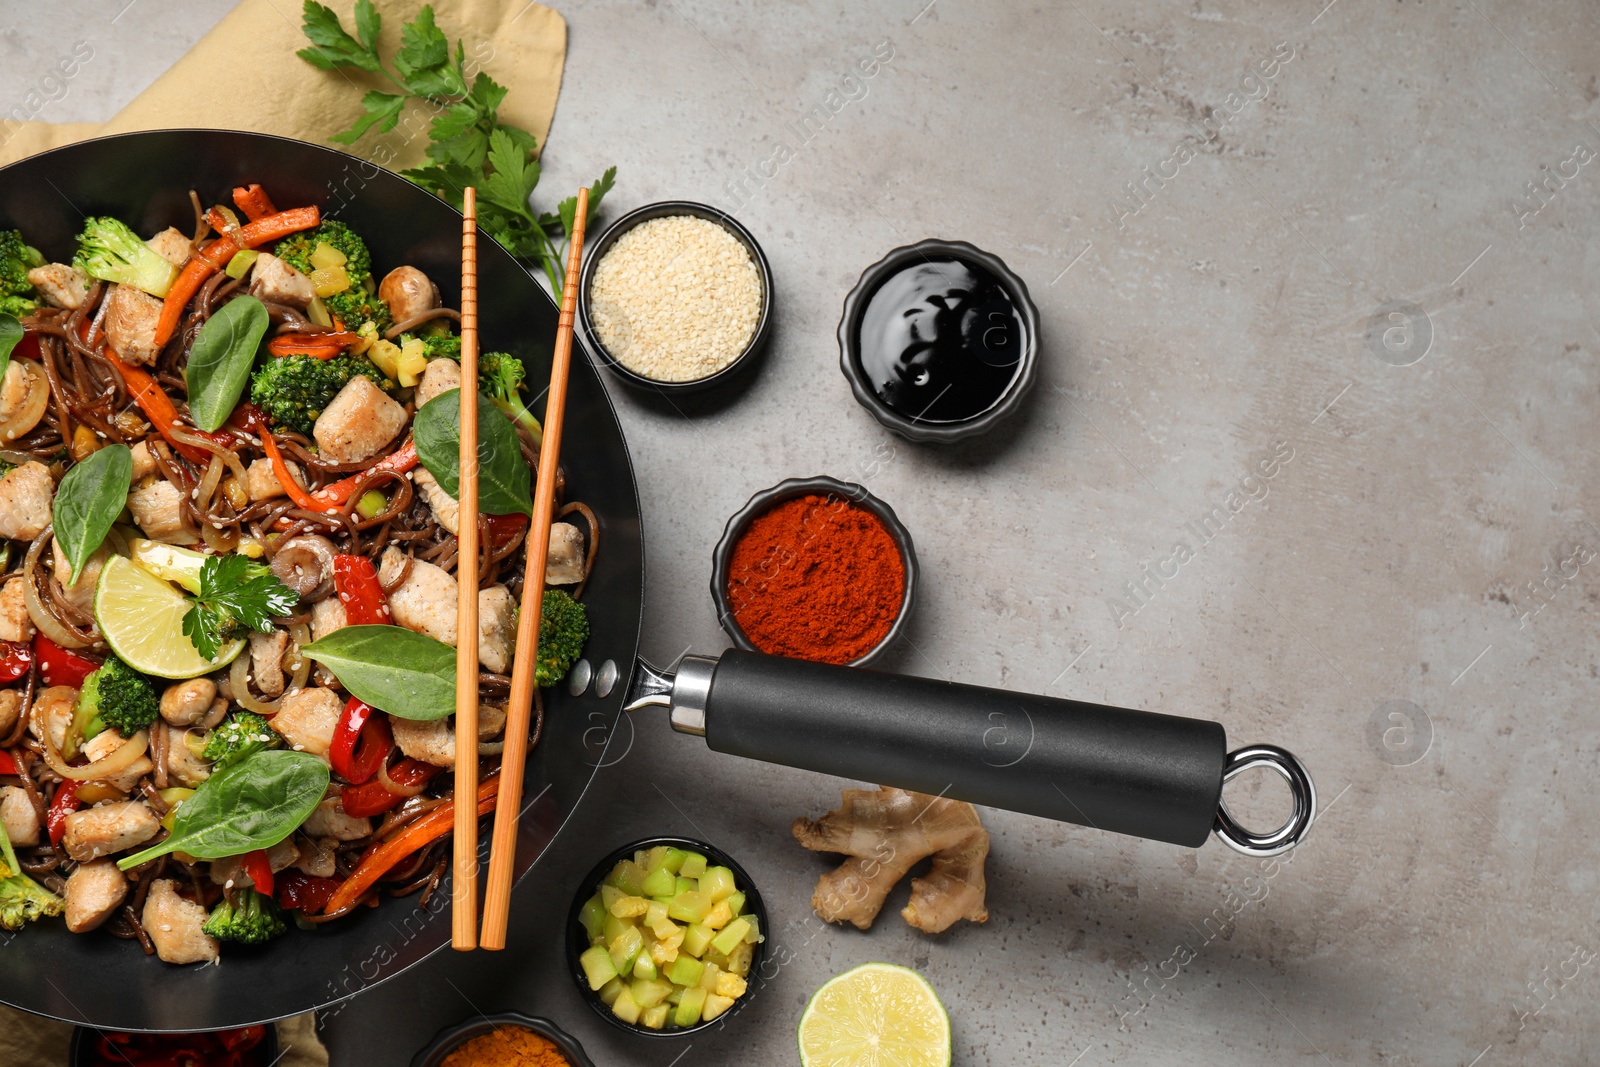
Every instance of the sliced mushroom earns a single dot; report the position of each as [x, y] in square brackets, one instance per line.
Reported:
[305, 564]
[24, 395]
[408, 292]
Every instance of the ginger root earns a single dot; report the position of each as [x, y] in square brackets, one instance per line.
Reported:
[886, 833]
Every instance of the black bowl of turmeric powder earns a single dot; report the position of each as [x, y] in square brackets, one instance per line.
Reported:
[504, 1040]
[816, 569]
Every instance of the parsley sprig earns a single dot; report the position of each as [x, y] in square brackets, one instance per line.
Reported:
[236, 593]
[469, 144]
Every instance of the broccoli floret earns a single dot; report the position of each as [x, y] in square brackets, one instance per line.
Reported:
[563, 628]
[293, 390]
[247, 917]
[17, 257]
[500, 379]
[119, 697]
[357, 303]
[240, 735]
[22, 900]
[439, 346]
[108, 250]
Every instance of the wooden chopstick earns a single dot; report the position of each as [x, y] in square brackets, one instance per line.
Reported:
[503, 846]
[464, 883]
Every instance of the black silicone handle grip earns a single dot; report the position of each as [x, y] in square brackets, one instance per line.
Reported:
[1131, 772]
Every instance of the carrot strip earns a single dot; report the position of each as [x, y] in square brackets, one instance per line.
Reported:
[382, 858]
[214, 256]
[253, 201]
[332, 497]
[281, 469]
[316, 345]
[157, 406]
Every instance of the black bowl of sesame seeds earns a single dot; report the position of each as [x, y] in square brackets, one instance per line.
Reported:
[675, 297]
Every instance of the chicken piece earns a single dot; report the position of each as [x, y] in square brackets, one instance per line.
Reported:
[266, 660]
[408, 292]
[144, 464]
[497, 628]
[261, 481]
[426, 600]
[186, 703]
[25, 495]
[10, 710]
[440, 376]
[358, 422]
[183, 765]
[55, 706]
[172, 245]
[176, 926]
[431, 742]
[491, 722]
[446, 511]
[94, 891]
[109, 828]
[130, 323]
[275, 282]
[308, 718]
[104, 744]
[80, 594]
[61, 284]
[158, 509]
[24, 385]
[885, 832]
[328, 819]
[317, 855]
[15, 623]
[18, 816]
[565, 564]
[327, 616]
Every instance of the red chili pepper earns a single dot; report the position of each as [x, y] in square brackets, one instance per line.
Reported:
[332, 497]
[65, 803]
[355, 579]
[361, 742]
[15, 659]
[299, 891]
[58, 666]
[8, 763]
[374, 798]
[241, 1040]
[259, 870]
[504, 529]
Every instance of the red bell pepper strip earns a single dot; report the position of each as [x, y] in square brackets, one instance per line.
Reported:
[65, 803]
[58, 666]
[356, 581]
[214, 256]
[259, 870]
[15, 659]
[504, 529]
[333, 497]
[8, 763]
[299, 891]
[374, 798]
[253, 201]
[361, 742]
[315, 345]
[381, 858]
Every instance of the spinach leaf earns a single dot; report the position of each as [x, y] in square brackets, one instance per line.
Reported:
[88, 501]
[253, 804]
[219, 365]
[407, 674]
[10, 334]
[503, 478]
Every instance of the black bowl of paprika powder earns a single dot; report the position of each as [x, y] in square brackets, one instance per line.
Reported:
[817, 569]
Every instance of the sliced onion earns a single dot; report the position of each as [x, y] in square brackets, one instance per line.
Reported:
[393, 786]
[239, 681]
[124, 756]
[33, 405]
[184, 435]
[42, 617]
[299, 634]
[230, 225]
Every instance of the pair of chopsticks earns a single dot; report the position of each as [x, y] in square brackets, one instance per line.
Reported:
[503, 844]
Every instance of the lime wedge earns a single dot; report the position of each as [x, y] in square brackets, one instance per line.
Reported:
[141, 618]
[877, 1015]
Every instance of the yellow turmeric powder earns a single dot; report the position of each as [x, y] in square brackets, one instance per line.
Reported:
[507, 1046]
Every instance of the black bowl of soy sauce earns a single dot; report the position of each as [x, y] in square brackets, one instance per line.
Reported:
[939, 341]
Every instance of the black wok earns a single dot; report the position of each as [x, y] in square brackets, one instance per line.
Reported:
[144, 179]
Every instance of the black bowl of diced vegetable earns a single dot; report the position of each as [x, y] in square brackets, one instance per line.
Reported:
[665, 936]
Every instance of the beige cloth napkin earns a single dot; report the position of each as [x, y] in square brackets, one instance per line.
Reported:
[244, 75]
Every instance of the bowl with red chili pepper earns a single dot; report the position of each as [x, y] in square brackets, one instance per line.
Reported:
[817, 569]
[248, 1046]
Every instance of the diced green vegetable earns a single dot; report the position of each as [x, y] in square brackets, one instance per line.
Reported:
[592, 916]
[719, 916]
[652, 860]
[731, 935]
[754, 933]
[609, 895]
[655, 917]
[694, 865]
[629, 877]
[610, 991]
[660, 883]
[684, 885]
[709, 972]
[611, 927]
[696, 938]
[241, 263]
[644, 967]
[626, 1008]
[736, 904]
[673, 859]
[717, 883]
[655, 1018]
[685, 971]
[690, 1007]
[597, 966]
[371, 504]
[714, 1006]
[625, 949]
[688, 907]
[647, 993]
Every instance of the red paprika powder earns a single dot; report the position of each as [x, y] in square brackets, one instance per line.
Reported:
[817, 578]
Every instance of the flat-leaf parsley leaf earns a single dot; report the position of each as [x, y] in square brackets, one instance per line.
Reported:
[235, 593]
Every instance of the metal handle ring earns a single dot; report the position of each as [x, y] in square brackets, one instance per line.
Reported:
[1292, 832]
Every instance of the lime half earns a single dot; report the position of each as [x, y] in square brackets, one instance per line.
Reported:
[141, 618]
[877, 1015]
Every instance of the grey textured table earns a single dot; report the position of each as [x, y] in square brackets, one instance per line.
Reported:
[1344, 259]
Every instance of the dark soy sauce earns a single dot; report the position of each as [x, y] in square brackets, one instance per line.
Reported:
[941, 341]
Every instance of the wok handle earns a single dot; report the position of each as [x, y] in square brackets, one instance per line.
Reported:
[1130, 772]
